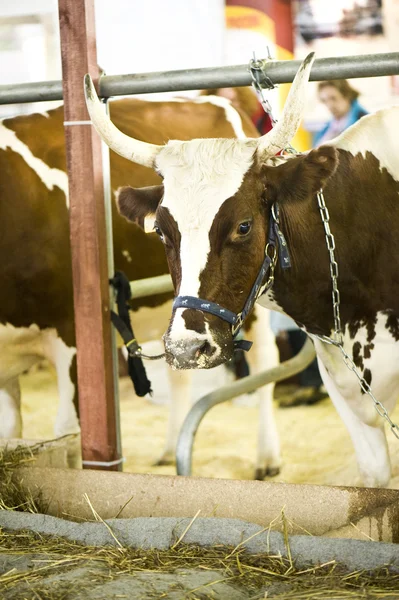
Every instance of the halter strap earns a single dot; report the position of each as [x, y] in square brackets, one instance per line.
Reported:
[269, 262]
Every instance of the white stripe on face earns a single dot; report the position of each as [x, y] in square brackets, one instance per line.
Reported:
[199, 176]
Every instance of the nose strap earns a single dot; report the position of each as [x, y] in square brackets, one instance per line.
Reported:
[214, 309]
[206, 306]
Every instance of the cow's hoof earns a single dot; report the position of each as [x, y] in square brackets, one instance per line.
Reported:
[261, 474]
[303, 396]
[165, 461]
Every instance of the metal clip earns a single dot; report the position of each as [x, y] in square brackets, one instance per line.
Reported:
[262, 82]
[237, 325]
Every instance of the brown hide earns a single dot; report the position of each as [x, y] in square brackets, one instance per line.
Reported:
[35, 270]
[362, 201]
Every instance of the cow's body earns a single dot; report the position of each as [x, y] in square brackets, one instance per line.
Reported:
[219, 199]
[36, 303]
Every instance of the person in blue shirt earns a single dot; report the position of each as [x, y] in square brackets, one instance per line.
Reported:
[341, 99]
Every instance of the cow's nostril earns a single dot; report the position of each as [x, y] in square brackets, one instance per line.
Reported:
[206, 349]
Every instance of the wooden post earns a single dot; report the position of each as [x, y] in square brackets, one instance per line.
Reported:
[98, 412]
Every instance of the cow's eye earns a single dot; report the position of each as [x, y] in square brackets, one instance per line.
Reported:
[244, 227]
[158, 231]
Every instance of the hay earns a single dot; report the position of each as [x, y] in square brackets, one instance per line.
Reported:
[252, 573]
[49, 560]
[13, 496]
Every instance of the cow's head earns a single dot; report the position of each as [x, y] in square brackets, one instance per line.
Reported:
[211, 214]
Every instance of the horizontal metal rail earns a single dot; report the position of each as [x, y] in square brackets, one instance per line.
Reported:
[151, 285]
[279, 71]
[184, 449]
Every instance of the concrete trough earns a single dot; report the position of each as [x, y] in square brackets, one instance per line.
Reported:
[344, 512]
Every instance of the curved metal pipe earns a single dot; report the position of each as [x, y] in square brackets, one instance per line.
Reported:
[184, 449]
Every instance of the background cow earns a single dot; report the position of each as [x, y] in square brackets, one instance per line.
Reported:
[218, 199]
[36, 304]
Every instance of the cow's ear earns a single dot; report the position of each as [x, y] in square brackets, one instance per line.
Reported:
[302, 176]
[320, 165]
[137, 203]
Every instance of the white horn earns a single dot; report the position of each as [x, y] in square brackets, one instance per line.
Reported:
[134, 150]
[281, 135]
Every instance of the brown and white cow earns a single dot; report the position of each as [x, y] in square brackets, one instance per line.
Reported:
[36, 305]
[213, 216]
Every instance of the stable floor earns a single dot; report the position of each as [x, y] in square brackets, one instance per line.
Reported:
[315, 445]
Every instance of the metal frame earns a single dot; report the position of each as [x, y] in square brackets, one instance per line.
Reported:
[184, 449]
[279, 71]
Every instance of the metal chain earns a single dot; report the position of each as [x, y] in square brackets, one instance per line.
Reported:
[135, 351]
[262, 83]
[139, 354]
[325, 217]
[338, 337]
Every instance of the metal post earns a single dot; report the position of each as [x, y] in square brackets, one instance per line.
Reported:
[88, 241]
[279, 71]
[184, 449]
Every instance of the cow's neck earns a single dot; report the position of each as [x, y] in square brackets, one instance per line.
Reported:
[364, 217]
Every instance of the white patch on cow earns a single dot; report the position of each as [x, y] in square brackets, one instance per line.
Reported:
[377, 134]
[201, 174]
[61, 355]
[232, 115]
[384, 357]
[49, 176]
[23, 347]
[149, 223]
[180, 383]
[369, 441]
[268, 300]
[20, 349]
[10, 410]
[126, 254]
[356, 409]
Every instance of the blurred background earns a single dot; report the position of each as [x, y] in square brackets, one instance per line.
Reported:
[153, 35]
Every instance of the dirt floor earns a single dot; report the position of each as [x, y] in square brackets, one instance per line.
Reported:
[315, 445]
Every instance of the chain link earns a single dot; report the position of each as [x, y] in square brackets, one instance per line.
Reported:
[262, 83]
[338, 337]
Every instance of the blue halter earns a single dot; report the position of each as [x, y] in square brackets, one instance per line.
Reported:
[278, 250]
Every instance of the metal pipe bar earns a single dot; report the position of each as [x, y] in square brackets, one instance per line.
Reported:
[151, 285]
[39, 91]
[279, 71]
[184, 449]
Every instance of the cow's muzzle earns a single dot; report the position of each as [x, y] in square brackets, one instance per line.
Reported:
[196, 353]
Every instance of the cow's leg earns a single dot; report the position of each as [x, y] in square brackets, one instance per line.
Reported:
[369, 441]
[264, 355]
[180, 383]
[63, 359]
[10, 410]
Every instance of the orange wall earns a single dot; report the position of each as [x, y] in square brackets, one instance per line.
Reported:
[273, 19]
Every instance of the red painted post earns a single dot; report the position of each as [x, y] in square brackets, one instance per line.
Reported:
[98, 412]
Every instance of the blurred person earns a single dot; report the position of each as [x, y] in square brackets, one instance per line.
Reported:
[341, 99]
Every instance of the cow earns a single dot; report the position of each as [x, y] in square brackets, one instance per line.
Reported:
[225, 204]
[36, 303]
